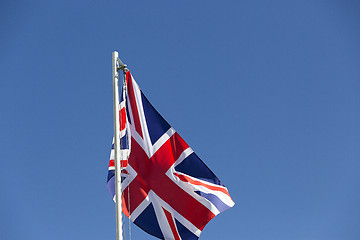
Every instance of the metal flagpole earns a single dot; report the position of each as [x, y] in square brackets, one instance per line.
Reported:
[117, 65]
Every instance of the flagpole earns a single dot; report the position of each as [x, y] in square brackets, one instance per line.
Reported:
[116, 66]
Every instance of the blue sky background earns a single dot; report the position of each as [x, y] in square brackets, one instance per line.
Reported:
[265, 92]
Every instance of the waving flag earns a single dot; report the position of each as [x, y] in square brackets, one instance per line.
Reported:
[167, 190]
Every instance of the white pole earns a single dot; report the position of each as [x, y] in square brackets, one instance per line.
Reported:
[118, 203]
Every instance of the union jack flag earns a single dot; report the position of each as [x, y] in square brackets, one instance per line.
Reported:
[166, 189]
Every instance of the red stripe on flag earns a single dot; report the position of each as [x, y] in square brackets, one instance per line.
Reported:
[194, 182]
[122, 118]
[122, 162]
[112, 163]
[172, 225]
[133, 104]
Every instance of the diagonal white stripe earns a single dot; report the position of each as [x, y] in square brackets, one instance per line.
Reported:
[142, 206]
[161, 141]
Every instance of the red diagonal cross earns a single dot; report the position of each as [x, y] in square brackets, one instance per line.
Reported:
[151, 176]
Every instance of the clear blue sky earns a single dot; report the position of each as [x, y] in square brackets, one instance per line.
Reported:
[265, 92]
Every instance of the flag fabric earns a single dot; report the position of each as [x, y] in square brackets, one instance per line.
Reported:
[166, 189]
[124, 150]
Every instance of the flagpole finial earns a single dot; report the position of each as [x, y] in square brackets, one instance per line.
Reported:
[121, 65]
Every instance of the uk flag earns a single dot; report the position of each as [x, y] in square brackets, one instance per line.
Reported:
[166, 189]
